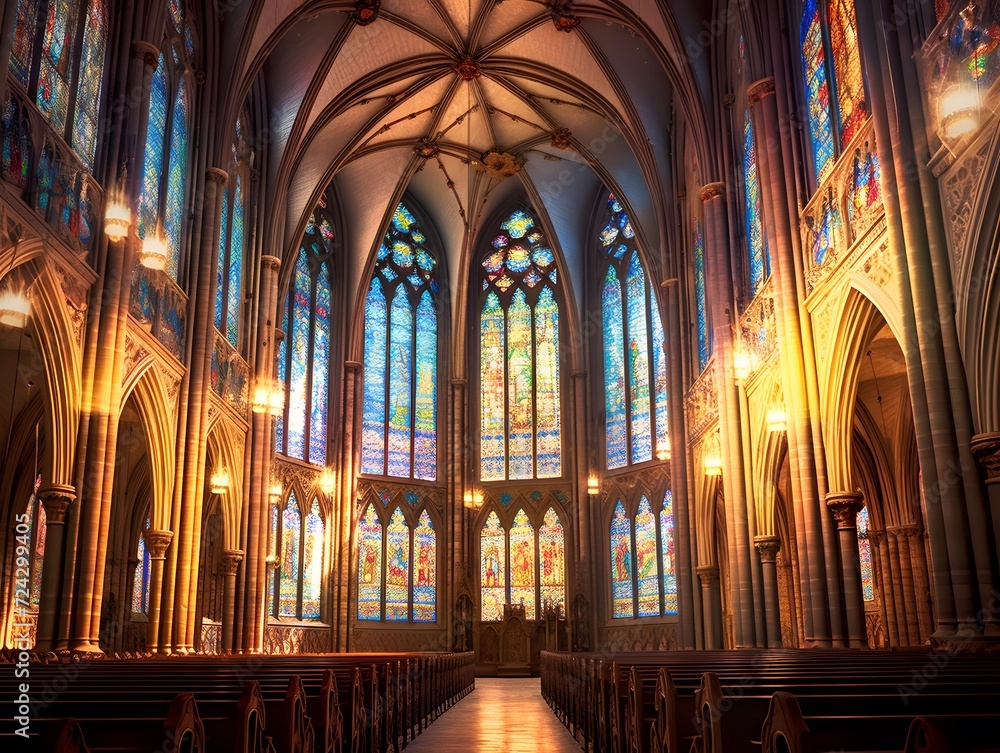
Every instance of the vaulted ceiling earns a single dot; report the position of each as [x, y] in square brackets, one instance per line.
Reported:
[462, 105]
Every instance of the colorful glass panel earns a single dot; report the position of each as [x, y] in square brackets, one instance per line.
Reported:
[140, 581]
[373, 413]
[88, 94]
[621, 564]
[493, 569]
[397, 568]
[370, 566]
[865, 556]
[298, 382]
[312, 564]
[701, 306]
[864, 192]
[38, 528]
[220, 277]
[273, 547]
[646, 560]
[547, 409]
[425, 402]
[492, 449]
[279, 421]
[615, 421]
[234, 285]
[552, 561]
[16, 147]
[291, 559]
[846, 54]
[152, 166]
[824, 229]
[400, 406]
[659, 374]
[667, 554]
[638, 362]
[424, 570]
[24, 40]
[759, 265]
[522, 564]
[56, 68]
[320, 368]
[817, 88]
[520, 389]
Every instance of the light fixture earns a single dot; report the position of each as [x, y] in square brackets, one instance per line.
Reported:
[777, 421]
[220, 481]
[741, 364]
[473, 499]
[328, 481]
[593, 485]
[117, 219]
[274, 492]
[14, 308]
[713, 465]
[958, 110]
[268, 397]
[155, 251]
[276, 400]
[663, 452]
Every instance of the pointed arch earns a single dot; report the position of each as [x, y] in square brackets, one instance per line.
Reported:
[370, 565]
[157, 417]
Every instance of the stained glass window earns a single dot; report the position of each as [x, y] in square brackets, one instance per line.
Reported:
[312, 563]
[522, 564]
[865, 555]
[701, 304]
[140, 580]
[370, 565]
[397, 568]
[56, 67]
[153, 164]
[88, 95]
[622, 584]
[21, 53]
[823, 228]
[847, 71]
[552, 558]
[173, 210]
[223, 257]
[760, 263]
[520, 416]
[291, 559]
[646, 555]
[16, 147]
[817, 87]
[635, 366]
[273, 547]
[304, 354]
[864, 190]
[640, 553]
[399, 428]
[424, 570]
[298, 580]
[667, 554]
[493, 572]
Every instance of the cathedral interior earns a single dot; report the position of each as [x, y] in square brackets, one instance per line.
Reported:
[498, 326]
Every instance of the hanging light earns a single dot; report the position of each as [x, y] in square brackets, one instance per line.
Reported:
[713, 465]
[268, 397]
[741, 364]
[473, 499]
[155, 252]
[328, 481]
[14, 308]
[220, 481]
[958, 109]
[777, 421]
[593, 485]
[117, 219]
[663, 454]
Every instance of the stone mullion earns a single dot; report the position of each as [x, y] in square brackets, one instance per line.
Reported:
[157, 543]
[881, 547]
[767, 549]
[348, 507]
[902, 535]
[712, 605]
[230, 561]
[460, 450]
[582, 564]
[56, 500]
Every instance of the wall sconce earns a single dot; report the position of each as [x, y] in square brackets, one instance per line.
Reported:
[663, 453]
[741, 364]
[117, 219]
[593, 485]
[777, 421]
[219, 482]
[328, 481]
[269, 397]
[958, 110]
[713, 465]
[14, 308]
[274, 492]
[473, 499]
[155, 251]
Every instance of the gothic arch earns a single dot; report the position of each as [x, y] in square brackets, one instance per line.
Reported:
[222, 453]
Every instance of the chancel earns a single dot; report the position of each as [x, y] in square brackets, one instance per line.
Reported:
[369, 366]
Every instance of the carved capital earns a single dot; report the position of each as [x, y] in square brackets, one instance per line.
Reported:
[709, 575]
[270, 263]
[352, 367]
[711, 191]
[148, 53]
[459, 384]
[230, 560]
[986, 449]
[579, 373]
[216, 175]
[904, 531]
[760, 89]
[845, 507]
[157, 543]
[670, 282]
[767, 548]
[56, 499]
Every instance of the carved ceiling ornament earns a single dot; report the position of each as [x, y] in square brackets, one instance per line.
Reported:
[366, 11]
[499, 164]
[562, 15]
[468, 69]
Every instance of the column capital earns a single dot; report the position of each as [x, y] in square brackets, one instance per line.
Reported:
[147, 52]
[903, 531]
[157, 543]
[845, 507]
[714, 190]
[459, 383]
[352, 367]
[216, 175]
[670, 282]
[709, 575]
[760, 89]
[579, 373]
[230, 560]
[986, 449]
[271, 263]
[56, 499]
[767, 548]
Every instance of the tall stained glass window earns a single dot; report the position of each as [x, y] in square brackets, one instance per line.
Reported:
[300, 531]
[635, 366]
[643, 576]
[759, 259]
[865, 555]
[700, 299]
[397, 565]
[304, 355]
[140, 580]
[399, 425]
[520, 415]
[522, 564]
[232, 242]
[834, 78]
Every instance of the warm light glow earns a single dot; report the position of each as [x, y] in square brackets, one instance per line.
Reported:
[328, 481]
[274, 492]
[117, 220]
[268, 397]
[713, 465]
[220, 481]
[155, 251]
[777, 421]
[14, 309]
[276, 400]
[959, 111]
[593, 485]
[741, 364]
[663, 453]
[473, 499]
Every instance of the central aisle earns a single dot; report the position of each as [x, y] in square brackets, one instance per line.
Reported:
[499, 716]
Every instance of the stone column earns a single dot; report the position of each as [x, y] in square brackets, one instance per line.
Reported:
[845, 507]
[583, 565]
[156, 544]
[457, 483]
[767, 549]
[986, 449]
[880, 547]
[711, 600]
[231, 559]
[902, 535]
[56, 500]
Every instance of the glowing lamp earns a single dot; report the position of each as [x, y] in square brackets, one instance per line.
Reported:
[274, 492]
[663, 453]
[220, 481]
[155, 252]
[958, 109]
[473, 499]
[328, 481]
[741, 364]
[777, 421]
[268, 397]
[593, 485]
[117, 220]
[713, 465]
[14, 309]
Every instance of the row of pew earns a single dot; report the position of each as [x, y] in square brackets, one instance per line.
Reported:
[776, 701]
[320, 703]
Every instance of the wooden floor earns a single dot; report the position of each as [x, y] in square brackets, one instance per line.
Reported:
[499, 716]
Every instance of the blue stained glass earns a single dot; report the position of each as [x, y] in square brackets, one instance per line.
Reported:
[56, 67]
[16, 146]
[173, 214]
[149, 201]
[520, 388]
[279, 424]
[667, 554]
[298, 381]
[518, 224]
[320, 367]
[614, 371]
[291, 559]
[756, 245]
[275, 533]
[220, 275]
[424, 570]
[235, 283]
[638, 362]
[659, 374]
[548, 427]
[699, 296]
[817, 87]
[24, 40]
[865, 556]
[493, 454]
[425, 407]
[373, 422]
[400, 405]
[88, 95]
[622, 572]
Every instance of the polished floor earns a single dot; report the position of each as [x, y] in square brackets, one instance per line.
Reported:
[500, 716]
